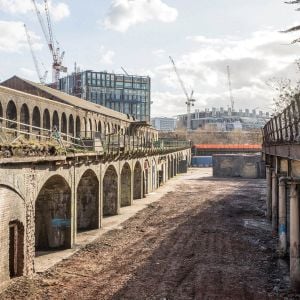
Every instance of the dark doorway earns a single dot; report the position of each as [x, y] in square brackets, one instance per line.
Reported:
[16, 249]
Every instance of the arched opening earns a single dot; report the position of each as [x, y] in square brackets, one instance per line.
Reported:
[90, 128]
[36, 120]
[110, 192]
[174, 166]
[1, 113]
[13, 218]
[11, 114]
[84, 128]
[95, 128]
[24, 118]
[99, 127]
[78, 126]
[137, 181]
[88, 202]
[146, 178]
[126, 185]
[53, 215]
[71, 125]
[55, 120]
[64, 125]
[46, 119]
[154, 178]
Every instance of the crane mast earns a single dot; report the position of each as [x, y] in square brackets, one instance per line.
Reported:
[42, 78]
[190, 101]
[57, 57]
[230, 89]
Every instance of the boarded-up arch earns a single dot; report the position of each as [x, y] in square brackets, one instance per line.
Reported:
[126, 185]
[110, 192]
[88, 201]
[53, 215]
[137, 181]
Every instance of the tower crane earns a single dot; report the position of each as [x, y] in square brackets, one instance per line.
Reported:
[57, 57]
[42, 78]
[230, 89]
[190, 101]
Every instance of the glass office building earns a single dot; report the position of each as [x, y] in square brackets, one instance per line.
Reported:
[124, 93]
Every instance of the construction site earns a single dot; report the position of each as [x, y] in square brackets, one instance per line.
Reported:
[102, 198]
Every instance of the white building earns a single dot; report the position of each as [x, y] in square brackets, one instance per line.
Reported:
[164, 123]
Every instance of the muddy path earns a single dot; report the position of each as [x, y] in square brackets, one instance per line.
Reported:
[207, 239]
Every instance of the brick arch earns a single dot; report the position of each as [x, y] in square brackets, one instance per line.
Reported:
[11, 114]
[53, 215]
[71, 125]
[1, 113]
[36, 120]
[46, 119]
[88, 202]
[78, 127]
[100, 126]
[24, 117]
[110, 191]
[64, 126]
[55, 120]
[137, 181]
[126, 185]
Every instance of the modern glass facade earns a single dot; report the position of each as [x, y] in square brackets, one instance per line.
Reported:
[127, 94]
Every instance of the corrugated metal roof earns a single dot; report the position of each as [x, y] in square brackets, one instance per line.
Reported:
[228, 146]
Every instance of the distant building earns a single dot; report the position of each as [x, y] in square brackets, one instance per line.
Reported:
[224, 120]
[164, 124]
[127, 94]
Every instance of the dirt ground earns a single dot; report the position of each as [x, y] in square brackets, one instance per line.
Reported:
[207, 239]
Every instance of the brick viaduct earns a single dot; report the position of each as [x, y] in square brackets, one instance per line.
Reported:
[46, 201]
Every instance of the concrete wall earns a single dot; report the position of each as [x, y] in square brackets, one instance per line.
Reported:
[238, 165]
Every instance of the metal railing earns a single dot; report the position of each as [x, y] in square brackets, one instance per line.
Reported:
[12, 130]
[285, 127]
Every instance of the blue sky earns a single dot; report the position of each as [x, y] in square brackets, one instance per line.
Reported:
[203, 37]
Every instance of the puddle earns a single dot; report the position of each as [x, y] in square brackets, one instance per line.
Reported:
[255, 224]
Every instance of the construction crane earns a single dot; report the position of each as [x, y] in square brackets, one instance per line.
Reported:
[42, 78]
[230, 89]
[57, 57]
[125, 72]
[190, 101]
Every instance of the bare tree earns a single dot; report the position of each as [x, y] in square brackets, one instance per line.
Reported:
[294, 28]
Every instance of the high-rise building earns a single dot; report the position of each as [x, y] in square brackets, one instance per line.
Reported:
[124, 93]
[164, 123]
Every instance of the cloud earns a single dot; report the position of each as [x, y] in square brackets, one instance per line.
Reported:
[106, 56]
[126, 13]
[58, 10]
[13, 38]
[252, 60]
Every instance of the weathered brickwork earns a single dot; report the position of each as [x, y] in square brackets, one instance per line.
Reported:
[43, 204]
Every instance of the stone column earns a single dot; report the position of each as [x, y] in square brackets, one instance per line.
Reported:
[269, 193]
[282, 229]
[274, 202]
[294, 238]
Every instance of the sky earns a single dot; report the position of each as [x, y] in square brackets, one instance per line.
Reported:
[202, 36]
